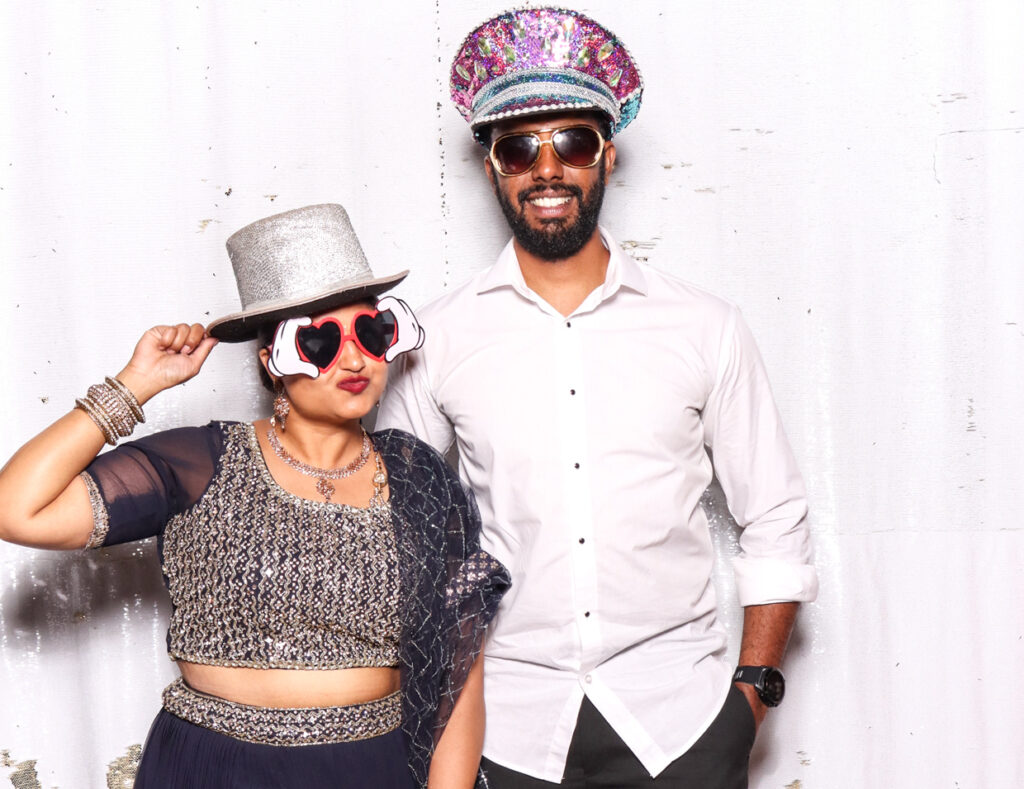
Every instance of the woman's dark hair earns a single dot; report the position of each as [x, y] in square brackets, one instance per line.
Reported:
[265, 336]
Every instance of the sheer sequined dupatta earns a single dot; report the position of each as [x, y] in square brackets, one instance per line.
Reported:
[451, 588]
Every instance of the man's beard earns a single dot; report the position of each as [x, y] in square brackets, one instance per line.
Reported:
[556, 239]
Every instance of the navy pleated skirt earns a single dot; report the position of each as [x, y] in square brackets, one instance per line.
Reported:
[181, 755]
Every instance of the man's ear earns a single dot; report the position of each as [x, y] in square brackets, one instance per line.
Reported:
[609, 160]
[492, 176]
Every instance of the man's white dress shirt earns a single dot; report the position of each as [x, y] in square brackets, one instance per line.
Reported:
[583, 438]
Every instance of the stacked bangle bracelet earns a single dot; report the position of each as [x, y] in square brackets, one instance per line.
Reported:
[113, 408]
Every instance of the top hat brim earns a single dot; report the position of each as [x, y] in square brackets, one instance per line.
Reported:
[245, 325]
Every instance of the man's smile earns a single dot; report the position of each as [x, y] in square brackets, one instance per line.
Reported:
[549, 202]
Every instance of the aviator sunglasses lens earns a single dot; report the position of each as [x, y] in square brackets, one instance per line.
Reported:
[517, 153]
[376, 333]
[578, 146]
[319, 344]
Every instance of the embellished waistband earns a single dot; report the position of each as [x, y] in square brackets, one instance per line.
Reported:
[284, 726]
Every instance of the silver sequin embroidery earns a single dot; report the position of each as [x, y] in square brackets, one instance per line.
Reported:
[100, 519]
[284, 726]
[477, 568]
[262, 578]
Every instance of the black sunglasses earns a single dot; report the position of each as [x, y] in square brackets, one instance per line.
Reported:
[575, 146]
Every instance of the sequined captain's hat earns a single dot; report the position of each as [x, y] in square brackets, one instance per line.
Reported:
[297, 263]
[534, 60]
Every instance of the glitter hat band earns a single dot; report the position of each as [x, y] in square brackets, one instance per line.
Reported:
[296, 263]
[534, 60]
[532, 89]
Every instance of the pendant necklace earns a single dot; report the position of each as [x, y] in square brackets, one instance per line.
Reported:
[323, 475]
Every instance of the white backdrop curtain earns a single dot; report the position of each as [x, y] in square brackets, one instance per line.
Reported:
[849, 173]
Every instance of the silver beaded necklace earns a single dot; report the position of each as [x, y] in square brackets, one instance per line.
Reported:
[323, 475]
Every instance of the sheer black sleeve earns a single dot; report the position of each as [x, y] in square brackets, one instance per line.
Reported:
[137, 487]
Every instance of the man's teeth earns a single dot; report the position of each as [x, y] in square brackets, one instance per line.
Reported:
[549, 202]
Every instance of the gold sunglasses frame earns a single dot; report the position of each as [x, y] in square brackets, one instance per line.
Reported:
[541, 143]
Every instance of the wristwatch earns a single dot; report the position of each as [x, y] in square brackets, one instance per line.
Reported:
[767, 681]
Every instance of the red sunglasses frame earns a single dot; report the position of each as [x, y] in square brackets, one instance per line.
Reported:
[345, 337]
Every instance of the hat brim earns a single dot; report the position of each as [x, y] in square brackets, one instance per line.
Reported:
[245, 325]
[481, 125]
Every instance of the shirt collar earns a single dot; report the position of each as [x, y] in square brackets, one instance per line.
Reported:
[623, 272]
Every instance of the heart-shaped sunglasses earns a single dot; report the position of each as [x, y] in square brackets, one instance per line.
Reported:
[321, 343]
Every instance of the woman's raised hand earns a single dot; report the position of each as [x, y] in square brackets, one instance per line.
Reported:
[42, 502]
[166, 356]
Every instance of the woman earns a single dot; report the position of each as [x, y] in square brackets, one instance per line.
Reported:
[327, 588]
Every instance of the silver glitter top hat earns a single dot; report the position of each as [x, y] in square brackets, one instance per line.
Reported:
[300, 262]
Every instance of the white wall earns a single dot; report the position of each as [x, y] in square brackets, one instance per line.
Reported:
[849, 173]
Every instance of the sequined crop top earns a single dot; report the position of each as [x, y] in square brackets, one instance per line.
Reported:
[257, 576]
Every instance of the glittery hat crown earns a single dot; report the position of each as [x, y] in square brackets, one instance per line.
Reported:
[300, 262]
[535, 60]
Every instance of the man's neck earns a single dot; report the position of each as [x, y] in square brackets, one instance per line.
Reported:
[564, 284]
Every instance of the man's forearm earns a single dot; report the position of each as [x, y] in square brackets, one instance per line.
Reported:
[766, 630]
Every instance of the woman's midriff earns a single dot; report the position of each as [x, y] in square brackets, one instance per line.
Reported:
[275, 687]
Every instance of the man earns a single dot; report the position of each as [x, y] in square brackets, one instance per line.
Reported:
[582, 389]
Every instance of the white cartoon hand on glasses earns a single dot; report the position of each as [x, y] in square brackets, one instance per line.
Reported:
[409, 335]
[284, 352]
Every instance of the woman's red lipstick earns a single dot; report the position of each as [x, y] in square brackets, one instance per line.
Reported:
[355, 384]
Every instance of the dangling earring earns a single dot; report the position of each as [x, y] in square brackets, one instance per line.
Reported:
[281, 405]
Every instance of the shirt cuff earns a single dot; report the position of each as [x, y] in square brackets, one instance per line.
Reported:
[760, 581]
[100, 519]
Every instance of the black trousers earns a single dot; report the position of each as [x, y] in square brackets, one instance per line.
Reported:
[599, 759]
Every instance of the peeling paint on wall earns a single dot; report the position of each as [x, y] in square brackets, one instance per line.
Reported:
[24, 775]
[630, 247]
[121, 771]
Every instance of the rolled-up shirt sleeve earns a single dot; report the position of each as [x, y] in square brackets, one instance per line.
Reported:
[759, 475]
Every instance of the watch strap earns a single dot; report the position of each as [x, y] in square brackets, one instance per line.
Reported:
[770, 692]
[750, 675]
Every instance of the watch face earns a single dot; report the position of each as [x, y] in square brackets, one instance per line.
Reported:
[774, 687]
